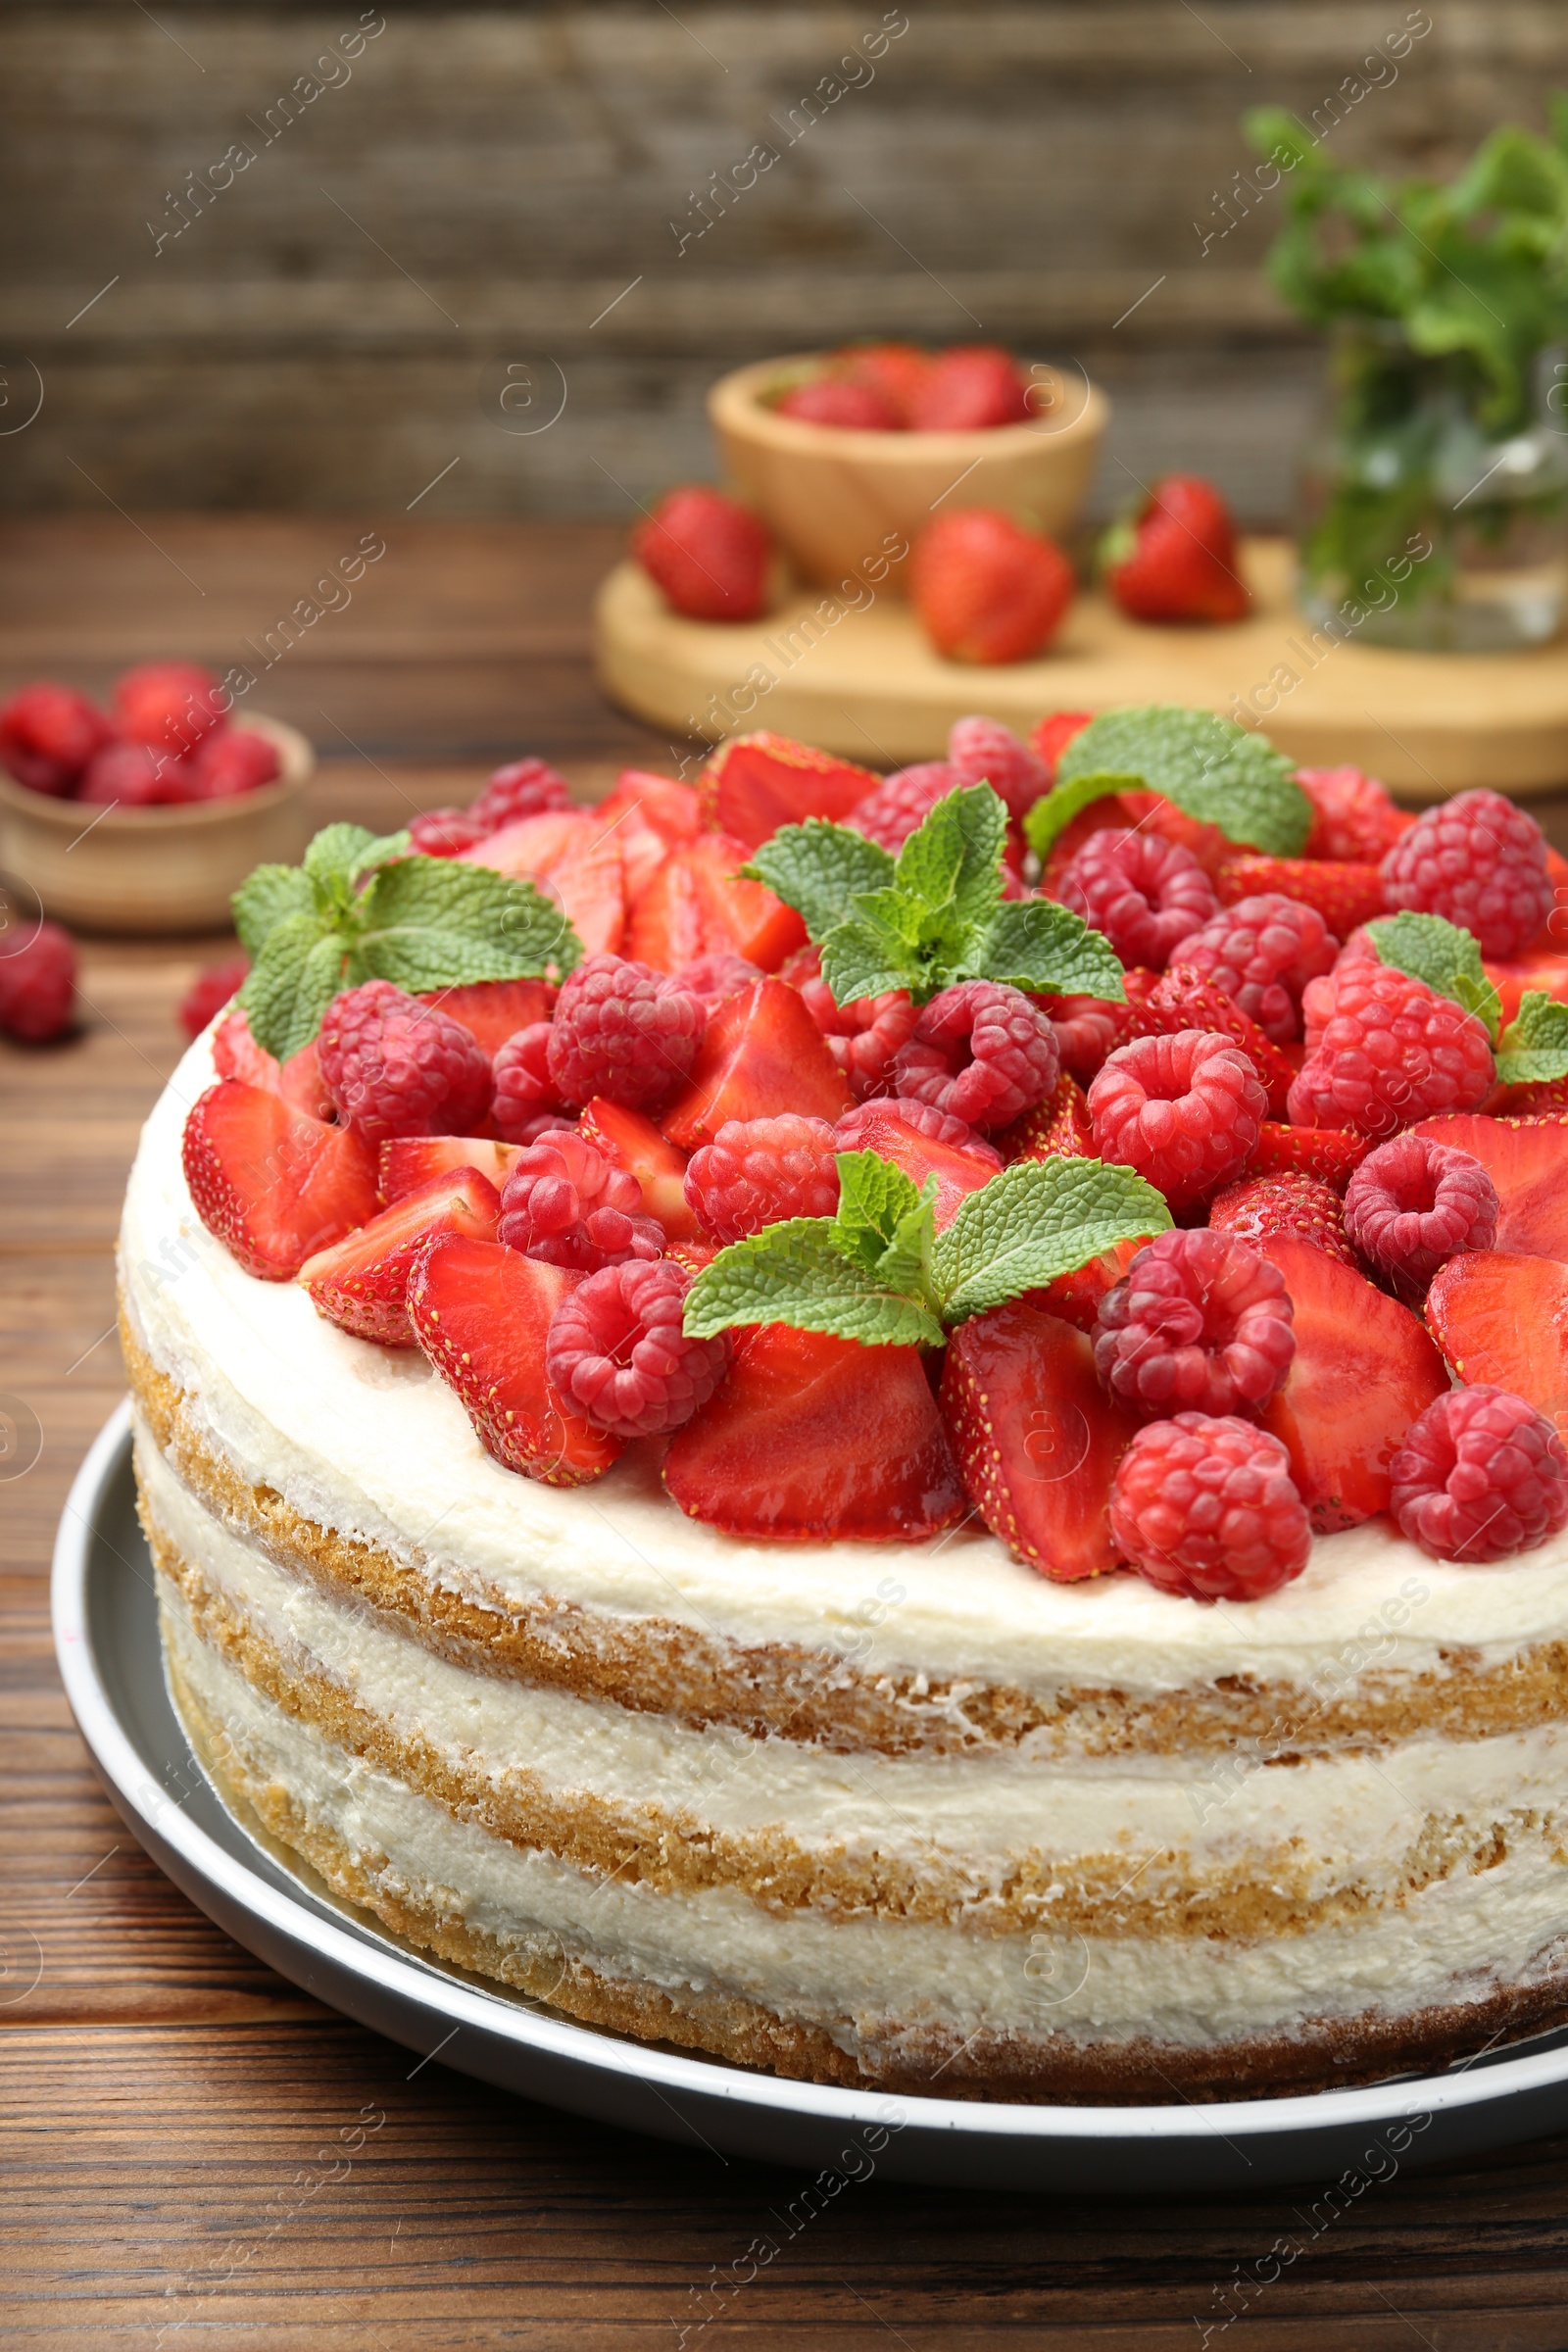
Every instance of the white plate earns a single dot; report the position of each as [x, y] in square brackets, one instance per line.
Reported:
[106, 1637]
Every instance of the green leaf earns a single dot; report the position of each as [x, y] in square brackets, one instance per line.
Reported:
[297, 972]
[436, 922]
[333, 858]
[908, 1261]
[873, 1196]
[795, 1273]
[1036, 945]
[1209, 766]
[268, 896]
[1534, 1048]
[819, 869]
[951, 866]
[1050, 815]
[860, 959]
[1036, 1220]
[1446, 958]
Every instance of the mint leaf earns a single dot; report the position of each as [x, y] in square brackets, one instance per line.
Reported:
[862, 959]
[1534, 1047]
[1036, 1220]
[795, 1273]
[951, 866]
[818, 870]
[1206, 766]
[1036, 945]
[1446, 958]
[874, 1197]
[434, 922]
[268, 897]
[1051, 815]
[299, 968]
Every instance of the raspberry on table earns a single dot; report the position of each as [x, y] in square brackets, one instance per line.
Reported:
[1480, 1475]
[921, 1118]
[756, 1172]
[617, 1352]
[714, 979]
[1206, 1507]
[564, 1203]
[624, 1031]
[1413, 1203]
[1479, 862]
[1184, 1111]
[1353, 817]
[1262, 951]
[525, 1103]
[982, 1051]
[38, 985]
[1148, 895]
[1200, 1322]
[982, 750]
[210, 992]
[394, 1066]
[523, 788]
[444, 832]
[1389, 1052]
[901, 803]
[1304, 1207]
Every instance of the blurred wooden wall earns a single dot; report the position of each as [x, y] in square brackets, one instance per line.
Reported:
[467, 191]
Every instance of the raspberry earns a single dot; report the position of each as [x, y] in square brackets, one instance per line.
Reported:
[1182, 999]
[210, 992]
[233, 760]
[1303, 1207]
[38, 985]
[523, 788]
[863, 1037]
[171, 704]
[1481, 863]
[1479, 1475]
[981, 751]
[624, 1031]
[714, 979]
[1148, 896]
[756, 1172]
[1353, 821]
[1208, 1508]
[566, 1204]
[1086, 1028]
[136, 776]
[1184, 1111]
[1390, 1052]
[921, 1118]
[901, 803]
[1413, 1203]
[1262, 951]
[981, 1052]
[444, 832]
[1201, 1323]
[616, 1350]
[48, 733]
[395, 1067]
[525, 1104]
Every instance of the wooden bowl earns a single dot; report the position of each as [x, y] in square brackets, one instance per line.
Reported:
[155, 870]
[838, 501]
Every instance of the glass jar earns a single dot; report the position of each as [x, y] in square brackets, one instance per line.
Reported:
[1421, 524]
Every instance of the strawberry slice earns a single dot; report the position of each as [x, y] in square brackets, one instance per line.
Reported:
[1059, 1128]
[1332, 1153]
[650, 816]
[957, 1170]
[1362, 1371]
[813, 1438]
[236, 1054]
[1053, 734]
[1345, 895]
[697, 904]
[409, 1161]
[1546, 974]
[754, 783]
[1528, 1162]
[1075, 1297]
[634, 1143]
[481, 1314]
[761, 1055]
[273, 1184]
[492, 1010]
[361, 1284]
[568, 853]
[692, 1256]
[1501, 1317]
[1037, 1437]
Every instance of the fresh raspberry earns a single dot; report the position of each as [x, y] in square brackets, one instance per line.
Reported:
[707, 554]
[38, 985]
[1262, 953]
[1481, 863]
[395, 1067]
[714, 979]
[624, 1031]
[444, 832]
[1183, 999]
[525, 1104]
[863, 1037]
[136, 775]
[1184, 1111]
[231, 762]
[981, 1052]
[1303, 1207]
[901, 804]
[921, 1118]
[1148, 896]
[1201, 1323]
[616, 1350]
[830, 400]
[523, 788]
[48, 733]
[566, 1204]
[1390, 1052]
[210, 992]
[1208, 1508]
[1353, 819]
[756, 1172]
[1087, 1028]
[170, 704]
[1413, 1203]
[982, 750]
[1479, 1475]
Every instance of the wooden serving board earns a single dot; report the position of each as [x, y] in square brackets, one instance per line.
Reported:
[862, 681]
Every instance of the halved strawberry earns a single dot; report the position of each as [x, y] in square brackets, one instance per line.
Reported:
[361, 1284]
[1546, 974]
[1037, 1437]
[1528, 1162]
[492, 1010]
[1501, 1317]
[761, 1055]
[694, 1256]
[959, 1172]
[813, 1438]
[671, 810]
[697, 904]
[481, 1314]
[1059, 1128]
[1052, 734]
[1362, 1371]
[635, 1143]
[409, 1161]
[1075, 1297]
[1344, 895]
[571, 856]
[754, 783]
[274, 1185]
[299, 1080]
[1332, 1153]
[1185, 999]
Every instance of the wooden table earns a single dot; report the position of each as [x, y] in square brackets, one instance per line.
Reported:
[164, 2094]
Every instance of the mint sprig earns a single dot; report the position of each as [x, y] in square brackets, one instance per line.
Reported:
[935, 914]
[1446, 958]
[880, 1273]
[364, 907]
[1534, 1048]
[1208, 766]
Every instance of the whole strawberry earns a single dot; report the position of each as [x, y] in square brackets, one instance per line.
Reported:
[394, 1066]
[1175, 559]
[48, 733]
[170, 703]
[835, 401]
[969, 387]
[986, 590]
[38, 985]
[709, 555]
